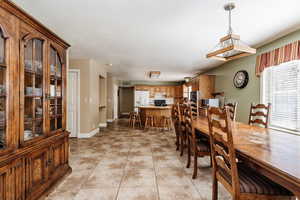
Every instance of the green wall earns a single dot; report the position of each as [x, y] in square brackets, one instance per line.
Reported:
[225, 72]
[164, 83]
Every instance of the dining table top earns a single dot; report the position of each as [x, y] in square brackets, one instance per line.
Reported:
[273, 149]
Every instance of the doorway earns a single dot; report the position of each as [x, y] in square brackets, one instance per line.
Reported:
[73, 104]
[102, 101]
[126, 101]
[115, 101]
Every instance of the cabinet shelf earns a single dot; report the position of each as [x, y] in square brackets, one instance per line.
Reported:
[33, 96]
[55, 97]
[55, 116]
[33, 119]
[33, 72]
[55, 77]
[2, 66]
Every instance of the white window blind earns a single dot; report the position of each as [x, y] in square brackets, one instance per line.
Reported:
[281, 88]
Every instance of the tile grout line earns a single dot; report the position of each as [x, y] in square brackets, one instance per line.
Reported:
[124, 173]
[155, 174]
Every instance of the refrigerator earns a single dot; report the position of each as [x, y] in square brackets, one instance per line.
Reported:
[141, 98]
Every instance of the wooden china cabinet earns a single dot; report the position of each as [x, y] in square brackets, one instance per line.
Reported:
[34, 145]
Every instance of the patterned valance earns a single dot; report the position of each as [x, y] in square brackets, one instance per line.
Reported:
[280, 55]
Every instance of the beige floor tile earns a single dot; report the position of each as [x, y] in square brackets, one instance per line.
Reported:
[110, 178]
[140, 162]
[178, 193]
[172, 177]
[138, 193]
[113, 162]
[61, 196]
[126, 164]
[166, 161]
[139, 178]
[97, 194]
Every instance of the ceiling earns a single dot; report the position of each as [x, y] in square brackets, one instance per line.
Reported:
[172, 36]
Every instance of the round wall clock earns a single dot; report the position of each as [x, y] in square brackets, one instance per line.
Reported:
[241, 79]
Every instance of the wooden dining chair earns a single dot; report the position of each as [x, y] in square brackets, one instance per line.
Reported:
[259, 114]
[242, 182]
[176, 123]
[197, 146]
[232, 110]
[183, 137]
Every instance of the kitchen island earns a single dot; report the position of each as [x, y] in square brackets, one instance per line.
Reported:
[157, 111]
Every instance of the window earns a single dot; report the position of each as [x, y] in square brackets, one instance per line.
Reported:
[189, 92]
[281, 88]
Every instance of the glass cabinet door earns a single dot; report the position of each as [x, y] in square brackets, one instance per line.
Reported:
[3, 98]
[33, 89]
[55, 109]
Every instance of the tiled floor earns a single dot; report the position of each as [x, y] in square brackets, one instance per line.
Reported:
[126, 164]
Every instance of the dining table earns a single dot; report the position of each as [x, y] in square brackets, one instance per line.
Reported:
[273, 153]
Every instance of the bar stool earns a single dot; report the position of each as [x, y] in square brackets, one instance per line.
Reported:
[134, 118]
[150, 122]
[166, 123]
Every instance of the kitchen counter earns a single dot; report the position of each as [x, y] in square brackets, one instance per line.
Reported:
[157, 111]
[156, 107]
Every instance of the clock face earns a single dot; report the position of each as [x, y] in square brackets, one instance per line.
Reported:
[240, 79]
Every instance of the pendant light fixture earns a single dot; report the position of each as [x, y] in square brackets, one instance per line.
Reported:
[230, 47]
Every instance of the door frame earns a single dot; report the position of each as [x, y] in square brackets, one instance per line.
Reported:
[77, 71]
[115, 101]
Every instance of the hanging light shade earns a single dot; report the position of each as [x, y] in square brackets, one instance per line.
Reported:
[187, 79]
[230, 47]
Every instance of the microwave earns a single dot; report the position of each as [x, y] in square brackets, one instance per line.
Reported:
[210, 102]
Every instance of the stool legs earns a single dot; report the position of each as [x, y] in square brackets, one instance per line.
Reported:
[150, 122]
[133, 119]
[166, 123]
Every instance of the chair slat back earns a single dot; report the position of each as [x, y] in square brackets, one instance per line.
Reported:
[222, 148]
[182, 110]
[194, 109]
[232, 110]
[259, 115]
[176, 115]
[188, 116]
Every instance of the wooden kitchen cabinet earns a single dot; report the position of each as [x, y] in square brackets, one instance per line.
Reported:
[168, 91]
[206, 86]
[179, 91]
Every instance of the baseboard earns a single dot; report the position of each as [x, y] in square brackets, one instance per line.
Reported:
[102, 125]
[110, 120]
[90, 134]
